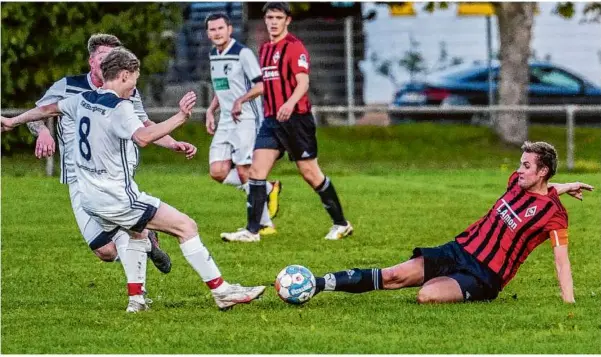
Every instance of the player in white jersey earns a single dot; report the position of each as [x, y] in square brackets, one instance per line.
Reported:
[238, 86]
[106, 249]
[107, 126]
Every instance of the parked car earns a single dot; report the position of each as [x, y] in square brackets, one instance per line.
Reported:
[468, 85]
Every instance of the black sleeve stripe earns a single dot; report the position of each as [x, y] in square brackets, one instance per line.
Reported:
[257, 79]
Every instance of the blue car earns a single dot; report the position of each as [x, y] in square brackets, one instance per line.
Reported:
[468, 85]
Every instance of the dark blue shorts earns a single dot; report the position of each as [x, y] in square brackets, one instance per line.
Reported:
[296, 136]
[477, 281]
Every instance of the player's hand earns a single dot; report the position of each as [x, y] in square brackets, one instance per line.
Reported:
[236, 111]
[44, 145]
[188, 149]
[210, 122]
[285, 111]
[7, 124]
[575, 189]
[187, 103]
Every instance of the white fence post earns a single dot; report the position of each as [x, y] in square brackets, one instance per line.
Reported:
[50, 160]
[570, 110]
[350, 69]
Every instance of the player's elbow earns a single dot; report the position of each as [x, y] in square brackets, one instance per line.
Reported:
[140, 138]
[50, 110]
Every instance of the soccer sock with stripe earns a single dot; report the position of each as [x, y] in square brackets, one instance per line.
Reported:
[202, 262]
[265, 219]
[330, 201]
[136, 256]
[257, 199]
[351, 281]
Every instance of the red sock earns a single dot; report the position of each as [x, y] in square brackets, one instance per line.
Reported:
[215, 283]
[135, 289]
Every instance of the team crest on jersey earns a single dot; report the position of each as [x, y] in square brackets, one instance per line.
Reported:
[530, 211]
[302, 61]
[227, 68]
[276, 57]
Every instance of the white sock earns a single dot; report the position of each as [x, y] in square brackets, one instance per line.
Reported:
[121, 240]
[233, 178]
[265, 220]
[136, 256]
[200, 259]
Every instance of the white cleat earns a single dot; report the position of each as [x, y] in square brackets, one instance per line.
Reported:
[135, 306]
[339, 232]
[237, 294]
[242, 235]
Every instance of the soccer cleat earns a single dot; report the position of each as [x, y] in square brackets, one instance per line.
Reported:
[339, 232]
[135, 306]
[242, 235]
[273, 199]
[267, 231]
[237, 294]
[159, 258]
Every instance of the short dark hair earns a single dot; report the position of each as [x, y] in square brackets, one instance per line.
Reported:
[277, 6]
[102, 39]
[216, 16]
[546, 155]
[119, 59]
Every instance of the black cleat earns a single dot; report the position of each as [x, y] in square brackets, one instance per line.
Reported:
[159, 258]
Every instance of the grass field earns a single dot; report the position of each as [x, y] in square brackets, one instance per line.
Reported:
[400, 187]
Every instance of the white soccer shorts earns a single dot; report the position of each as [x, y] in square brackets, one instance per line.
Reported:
[234, 143]
[123, 207]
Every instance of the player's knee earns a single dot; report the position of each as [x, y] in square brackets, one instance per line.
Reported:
[188, 227]
[393, 278]
[107, 253]
[312, 177]
[426, 296]
[218, 175]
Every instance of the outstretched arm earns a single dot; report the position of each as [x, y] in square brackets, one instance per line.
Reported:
[149, 134]
[573, 189]
[39, 113]
[169, 142]
[564, 273]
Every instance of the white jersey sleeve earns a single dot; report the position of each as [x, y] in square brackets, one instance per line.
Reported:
[54, 94]
[126, 120]
[69, 105]
[250, 65]
[138, 106]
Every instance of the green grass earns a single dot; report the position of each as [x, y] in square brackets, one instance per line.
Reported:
[58, 298]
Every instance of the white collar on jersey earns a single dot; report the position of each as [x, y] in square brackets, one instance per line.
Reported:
[104, 91]
[89, 77]
[232, 41]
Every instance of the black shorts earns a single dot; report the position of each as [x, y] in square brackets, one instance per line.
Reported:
[477, 281]
[295, 136]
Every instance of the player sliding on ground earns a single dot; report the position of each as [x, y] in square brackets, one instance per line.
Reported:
[107, 126]
[480, 262]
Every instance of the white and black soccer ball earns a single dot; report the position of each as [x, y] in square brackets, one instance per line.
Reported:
[295, 284]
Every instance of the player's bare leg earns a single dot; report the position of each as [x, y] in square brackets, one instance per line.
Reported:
[169, 220]
[263, 161]
[440, 290]
[313, 175]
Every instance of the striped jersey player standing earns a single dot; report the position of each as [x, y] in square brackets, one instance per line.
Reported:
[289, 126]
[482, 260]
[238, 85]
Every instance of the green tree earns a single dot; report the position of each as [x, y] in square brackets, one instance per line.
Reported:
[43, 42]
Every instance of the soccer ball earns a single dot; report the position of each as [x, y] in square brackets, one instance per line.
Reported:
[295, 284]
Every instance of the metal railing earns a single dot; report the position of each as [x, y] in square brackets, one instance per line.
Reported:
[570, 111]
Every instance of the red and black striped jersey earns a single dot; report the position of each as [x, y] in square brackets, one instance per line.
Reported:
[517, 223]
[280, 63]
